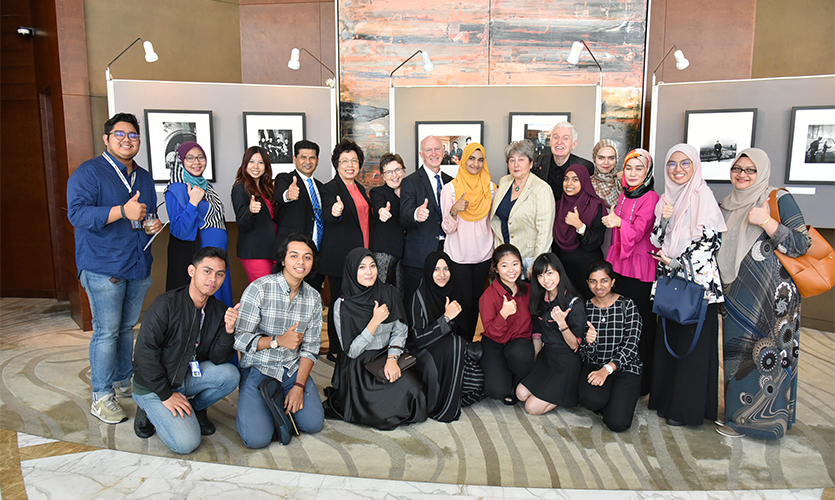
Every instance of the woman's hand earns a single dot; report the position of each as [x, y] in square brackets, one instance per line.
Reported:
[573, 219]
[254, 205]
[381, 312]
[508, 307]
[385, 212]
[460, 205]
[758, 215]
[661, 257]
[598, 377]
[195, 194]
[611, 219]
[667, 209]
[591, 335]
[392, 371]
[559, 315]
[336, 209]
[452, 309]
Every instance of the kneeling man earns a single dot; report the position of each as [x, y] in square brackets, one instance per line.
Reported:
[181, 357]
[279, 331]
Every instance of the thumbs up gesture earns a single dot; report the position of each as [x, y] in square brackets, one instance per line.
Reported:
[195, 194]
[508, 307]
[231, 317]
[254, 205]
[385, 212]
[756, 216]
[293, 190]
[611, 219]
[573, 219]
[135, 210]
[338, 207]
[452, 309]
[422, 212]
[460, 205]
[667, 209]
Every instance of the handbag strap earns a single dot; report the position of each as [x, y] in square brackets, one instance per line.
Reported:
[772, 204]
[702, 314]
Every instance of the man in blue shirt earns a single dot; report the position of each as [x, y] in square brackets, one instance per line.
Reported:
[108, 198]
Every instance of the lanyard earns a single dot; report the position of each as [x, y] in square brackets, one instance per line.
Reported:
[122, 177]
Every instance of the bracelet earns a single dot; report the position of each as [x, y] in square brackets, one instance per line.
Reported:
[122, 209]
[393, 356]
[452, 214]
[763, 223]
[564, 329]
[298, 384]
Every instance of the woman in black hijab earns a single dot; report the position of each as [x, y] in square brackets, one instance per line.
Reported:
[453, 378]
[370, 322]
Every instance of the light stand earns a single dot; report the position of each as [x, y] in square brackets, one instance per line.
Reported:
[427, 66]
[150, 56]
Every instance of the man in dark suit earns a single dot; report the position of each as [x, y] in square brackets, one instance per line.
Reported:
[420, 212]
[299, 201]
[551, 167]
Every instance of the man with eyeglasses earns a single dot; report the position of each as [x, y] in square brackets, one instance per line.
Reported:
[420, 212]
[299, 201]
[107, 199]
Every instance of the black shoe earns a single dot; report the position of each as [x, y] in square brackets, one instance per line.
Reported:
[142, 426]
[675, 423]
[207, 428]
[510, 400]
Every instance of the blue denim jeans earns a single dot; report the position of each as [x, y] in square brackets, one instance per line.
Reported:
[116, 308]
[255, 422]
[182, 435]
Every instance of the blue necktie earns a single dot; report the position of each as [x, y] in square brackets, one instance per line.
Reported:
[438, 198]
[317, 212]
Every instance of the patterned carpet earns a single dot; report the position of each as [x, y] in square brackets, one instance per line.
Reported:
[44, 390]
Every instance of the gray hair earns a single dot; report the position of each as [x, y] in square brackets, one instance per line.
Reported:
[568, 126]
[523, 147]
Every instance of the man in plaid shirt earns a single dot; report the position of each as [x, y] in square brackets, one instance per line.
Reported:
[278, 333]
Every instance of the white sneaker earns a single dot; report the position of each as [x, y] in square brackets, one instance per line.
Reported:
[108, 410]
[123, 392]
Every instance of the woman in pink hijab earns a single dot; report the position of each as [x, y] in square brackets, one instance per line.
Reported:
[687, 227]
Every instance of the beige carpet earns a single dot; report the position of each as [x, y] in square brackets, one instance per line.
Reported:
[44, 390]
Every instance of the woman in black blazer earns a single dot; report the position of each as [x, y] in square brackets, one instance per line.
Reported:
[387, 236]
[252, 198]
[345, 210]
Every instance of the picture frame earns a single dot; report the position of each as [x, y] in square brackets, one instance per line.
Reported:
[718, 135]
[811, 143]
[277, 133]
[166, 129]
[536, 127]
[449, 132]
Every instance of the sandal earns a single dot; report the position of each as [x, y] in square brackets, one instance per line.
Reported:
[510, 400]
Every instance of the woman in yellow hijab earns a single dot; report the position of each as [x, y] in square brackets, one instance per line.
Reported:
[465, 205]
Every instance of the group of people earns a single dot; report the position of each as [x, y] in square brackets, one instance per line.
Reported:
[559, 261]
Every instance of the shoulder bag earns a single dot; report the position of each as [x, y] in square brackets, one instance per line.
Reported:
[681, 300]
[273, 395]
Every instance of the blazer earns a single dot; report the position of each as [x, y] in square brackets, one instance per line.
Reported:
[294, 216]
[342, 234]
[531, 220]
[421, 237]
[256, 232]
[386, 237]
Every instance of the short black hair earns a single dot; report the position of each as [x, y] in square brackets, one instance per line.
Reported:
[343, 147]
[305, 144]
[601, 265]
[210, 252]
[120, 117]
[281, 253]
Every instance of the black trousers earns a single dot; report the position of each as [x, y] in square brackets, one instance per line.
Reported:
[504, 365]
[639, 291]
[469, 285]
[615, 399]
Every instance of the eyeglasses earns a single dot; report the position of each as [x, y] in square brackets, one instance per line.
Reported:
[685, 164]
[749, 171]
[347, 161]
[192, 159]
[120, 134]
[393, 173]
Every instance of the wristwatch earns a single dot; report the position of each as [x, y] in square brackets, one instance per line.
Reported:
[274, 342]
[609, 368]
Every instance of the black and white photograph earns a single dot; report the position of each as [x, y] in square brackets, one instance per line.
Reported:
[454, 136]
[535, 127]
[812, 145]
[718, 135]
[275, 132]
[166, 130]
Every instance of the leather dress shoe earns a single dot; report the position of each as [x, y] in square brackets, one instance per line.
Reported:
[142, 426]
[674, 423]
[207, 428]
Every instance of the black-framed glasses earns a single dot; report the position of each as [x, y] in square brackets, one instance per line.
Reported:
[749, 171]
[120, 134]
[192, 159]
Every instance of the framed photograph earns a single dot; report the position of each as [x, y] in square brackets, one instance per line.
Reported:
[812, 146]
[166, 130]
[275, 132]
[718, 134]
[454, 136]
[535, 127]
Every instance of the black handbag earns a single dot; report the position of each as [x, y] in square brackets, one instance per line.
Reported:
[377, 365]
[273, 395]
[681, 300]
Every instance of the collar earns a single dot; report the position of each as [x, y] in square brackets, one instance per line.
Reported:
[431, 175]
[284, 286]
[121, 166]
[305, 177]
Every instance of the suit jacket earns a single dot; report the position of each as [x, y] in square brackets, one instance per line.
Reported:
[531, 221]
[544, 163]
[421, 237]
[294, 216]
[343, 234]
[256, 232]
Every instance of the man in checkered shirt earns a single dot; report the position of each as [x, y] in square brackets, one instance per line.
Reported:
[278, 333]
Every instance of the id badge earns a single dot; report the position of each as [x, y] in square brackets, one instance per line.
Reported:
[195, 368]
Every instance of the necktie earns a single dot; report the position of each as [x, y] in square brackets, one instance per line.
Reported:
[317, 212]
[438, 198]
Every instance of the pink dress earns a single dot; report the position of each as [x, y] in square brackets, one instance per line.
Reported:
[629, 252]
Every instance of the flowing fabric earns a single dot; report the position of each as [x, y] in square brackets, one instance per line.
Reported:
[476, 187]
[433, 295]
[587, 203]
[606, 185]
[215, 217]
[643, 156]
[695, 206]
[741, 235]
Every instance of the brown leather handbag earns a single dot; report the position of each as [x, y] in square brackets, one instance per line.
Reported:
[814, 271]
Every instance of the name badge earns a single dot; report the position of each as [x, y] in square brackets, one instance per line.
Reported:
[195, 368]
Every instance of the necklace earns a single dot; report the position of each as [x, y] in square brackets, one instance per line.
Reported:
[517, 188]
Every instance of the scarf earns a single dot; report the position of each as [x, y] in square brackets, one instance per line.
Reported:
[358, 303]
[741, 235]
[606, 185]
[695, 208]
[648, 185]
[433, 295]
[586, 201]
[214, 217]
[476, 187]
